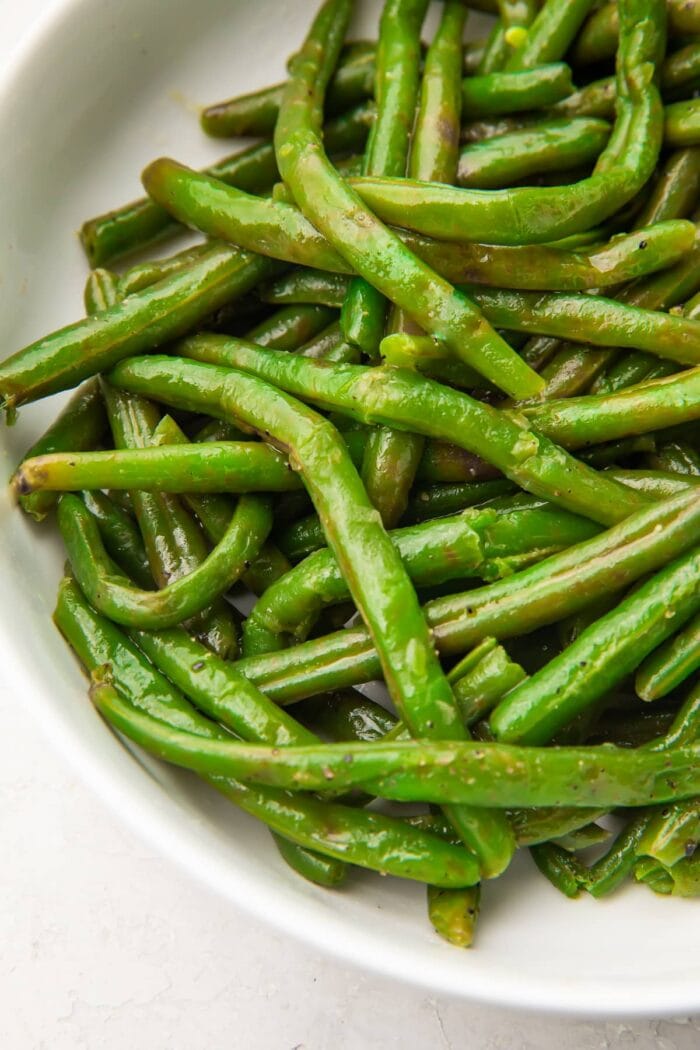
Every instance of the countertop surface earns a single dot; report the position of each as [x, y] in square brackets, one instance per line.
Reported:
[107, 946]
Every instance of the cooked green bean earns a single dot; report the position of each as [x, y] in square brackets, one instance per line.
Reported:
[494, 775]
[553, 145]
[580, 421]
[120, 536]
[255, 114]
[454, 913]
[566, 873]
[290, 327]
[141, 322]
[495, 93]
[178, 601]
[601, 656]
[508, 34]
[396, 90]
[307, 286]
[671, 664]
[682, 124]
[80, 425]
[551, 32]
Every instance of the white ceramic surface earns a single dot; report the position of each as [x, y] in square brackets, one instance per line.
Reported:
[99, 89]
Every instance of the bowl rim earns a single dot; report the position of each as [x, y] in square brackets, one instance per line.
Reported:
[144, 806]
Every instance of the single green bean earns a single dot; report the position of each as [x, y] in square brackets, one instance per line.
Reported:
[601, 656]
[551, 33]
[613, 868]
[180, 600]
[462, 771]
[120, 536]
[346, 715]
[494, 94]
[79, 426]
[682, 124]
[553, 145]
[565, 872]
[676, 193]
[141, 322]
[396, 90]
[307, 286]
[671, 664]
[291, 327]
[454, 913]
[255, 114]
[580, 421]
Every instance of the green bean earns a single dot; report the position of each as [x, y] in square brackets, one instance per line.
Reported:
[530, 214]
[682, 880]
[598, 37]
[507, 35]
[629, 370]
[613, 868]
[392, 457]
[435, 501]
[241, 466]
[120, 536]
[671, 664]
[534, 597]
[493, 94]
[404, 400]
[580, 421]
[553, 145]
[141, 322]
[350, 524]
[396, 91]
[180, 600]
[482, 687]
[677, 457]
[602, 322]
[255, 114]
[290, 327]
[433, 153]
[482, 543]
[346, 715]
[682, 124]
[79, 426]
[329, 345]
[497, 775]
[676, 193]
[144, 274]
[680, 72]
[175, 545]
[601, 656]
[565, 872]
[583, 838]
[454, 913]
[551, 33]
[141, 223]
[307, 286]
[672, 833]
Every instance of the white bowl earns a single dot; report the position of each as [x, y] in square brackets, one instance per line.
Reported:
[99, 90]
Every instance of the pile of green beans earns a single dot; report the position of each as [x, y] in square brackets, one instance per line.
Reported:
[423, 409]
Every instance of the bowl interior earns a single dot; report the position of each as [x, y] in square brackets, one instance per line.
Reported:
[100, 90]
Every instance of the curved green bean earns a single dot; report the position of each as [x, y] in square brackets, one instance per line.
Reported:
[493, 94]
[552, 145]
[180, 600]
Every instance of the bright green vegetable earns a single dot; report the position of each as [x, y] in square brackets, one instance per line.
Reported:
[671, 664]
